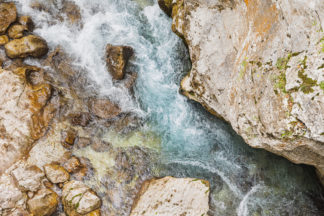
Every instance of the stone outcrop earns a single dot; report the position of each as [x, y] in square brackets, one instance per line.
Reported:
[117, 58]
[30, 45]
[43, 203]
[259, 66]
[8, 15]
[172, 196]
[79, 199]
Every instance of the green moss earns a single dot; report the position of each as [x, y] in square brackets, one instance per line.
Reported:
[321, 67]
[321, 85]
[308, 83]
[281, 82]
[287, 134]
[244, 65]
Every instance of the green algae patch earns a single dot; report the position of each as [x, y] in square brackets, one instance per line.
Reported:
[308, 83]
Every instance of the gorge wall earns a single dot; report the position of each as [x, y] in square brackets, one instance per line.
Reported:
[259, 65]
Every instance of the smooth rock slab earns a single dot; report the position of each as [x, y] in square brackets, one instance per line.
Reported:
[172, 196]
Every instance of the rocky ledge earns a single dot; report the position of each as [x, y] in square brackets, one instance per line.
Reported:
[259, 65]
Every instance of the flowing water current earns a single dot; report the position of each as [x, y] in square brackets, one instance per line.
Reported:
[192, 143]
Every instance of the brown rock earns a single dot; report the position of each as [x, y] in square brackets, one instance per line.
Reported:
[30, 45]
[3, 40]
[56, 174]
[94, 213]
[83, 142]
[27, 22]
[72, 11]
[101, 146]
[166, 6]
[81, 119]
[117, 58]
[16, 31]
[104, 108]
[68, 138]
[72, 165]
[44, 203]
[8, 14]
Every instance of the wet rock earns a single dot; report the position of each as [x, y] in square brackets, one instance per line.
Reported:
[101, 146]
[166, 6]
[72, 11]
[30, 45]
[8, 15]
[129, 80]
[117, 58]
[68, 138]
[79, 199]
[3, 40]
[56, 174]
[44, 203]
[104, 108]
[72, 165]
[172, 196]
[16, 31]
[27, 22]
[81, 119]
[28, 178]
[83, 142]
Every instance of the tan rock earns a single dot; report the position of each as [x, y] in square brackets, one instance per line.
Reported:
[117, 58]
[56, 174]
[79, 199]
[68, 138]
[264, 81]
[28, 178]
[8, 14]
[27, 22]
[30, 45]
[72, 165]
[172, 196]
[16, 31]
[104, 108]
[44, 203]
[72, 11]
[10, 195]
[3, 40]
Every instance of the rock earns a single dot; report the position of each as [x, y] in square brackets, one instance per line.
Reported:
[166, 6]
[30, 45]
[8, 15]
[104, 108]
[79, 199]
[68, 138]
[28, 178]
[117, 58]
[10, 196]
[3, 40]
[72, 11]
[17, 31]
[83, 142]
[265, 81]
[81, 119]
[172, 196]
[56, 174]
[44, 203]
[72, 165]
[101, 146]
[27, 22]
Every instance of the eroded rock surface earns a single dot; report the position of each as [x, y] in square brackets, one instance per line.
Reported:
[259, 65]
[172, 196]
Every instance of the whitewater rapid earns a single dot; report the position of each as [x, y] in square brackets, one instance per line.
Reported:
[194, 143]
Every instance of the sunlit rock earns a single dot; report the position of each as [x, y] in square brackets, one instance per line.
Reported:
[117, 58]
[3, 40]
[27, 22]
[44, 203]
[172, 196]
[16, 31]
[28, 178]
[8, 14]
[30, 45]
[56, 174]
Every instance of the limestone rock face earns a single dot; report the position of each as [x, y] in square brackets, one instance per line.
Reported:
[79, 199]
[260, 66]
[8, 14]
[56, 174]
[44, 203]
[172, 196]
[30, 45]
[117, 58]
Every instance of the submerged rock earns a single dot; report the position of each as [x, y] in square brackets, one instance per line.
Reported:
[30, 45]
[253, 67]
[44, 203]
[172, 196]
[56, 174]
[79, 199]
[104, 108]
[117, 58]
[8, 15]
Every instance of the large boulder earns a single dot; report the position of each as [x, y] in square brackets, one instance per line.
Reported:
[117, 58]
[56, 174]
[172, 196]
[30, 45]
[259, 65]
[8, 15]
[79, 199]
[43, 203]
